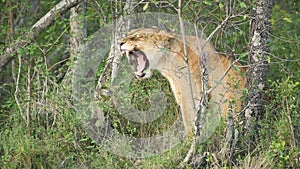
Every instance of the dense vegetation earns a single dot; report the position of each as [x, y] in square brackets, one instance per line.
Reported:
[39, 127]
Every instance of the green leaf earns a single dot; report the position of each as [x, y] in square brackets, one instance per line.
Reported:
[207, 3]
[244, 55]
[243, 5]
[221, 5]
[146, 6]
[272, 20]
[269, 59]
[287, 19]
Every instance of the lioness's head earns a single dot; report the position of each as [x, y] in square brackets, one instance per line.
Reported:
[144, 49]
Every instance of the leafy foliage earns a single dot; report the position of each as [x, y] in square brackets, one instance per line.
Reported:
[38, 124]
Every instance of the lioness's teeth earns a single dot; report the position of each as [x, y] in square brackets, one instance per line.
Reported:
[127, 53]
[139, 73]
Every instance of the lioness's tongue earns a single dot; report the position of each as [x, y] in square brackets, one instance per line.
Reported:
[141, 60]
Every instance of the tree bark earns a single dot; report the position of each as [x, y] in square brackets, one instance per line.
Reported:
[61, 8]
[120, 27]
[258, 61]
[78, 31]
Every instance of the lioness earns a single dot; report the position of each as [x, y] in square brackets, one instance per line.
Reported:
[153, 49]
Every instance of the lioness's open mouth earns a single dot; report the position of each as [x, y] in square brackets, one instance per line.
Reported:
[137, 59]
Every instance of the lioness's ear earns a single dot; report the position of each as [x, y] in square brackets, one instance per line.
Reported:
[167, 34]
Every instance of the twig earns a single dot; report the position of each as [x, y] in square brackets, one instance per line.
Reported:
[217, 28]
[227, 150]
[290, 121]
[185, 49]
[17, 89]
[186, 58]
[28, 97]
[190, 152]
[99, 91]
[223, 76]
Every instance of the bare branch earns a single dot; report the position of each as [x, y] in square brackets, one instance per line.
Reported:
[61, 8]
[185, 49]
[217, 28]
[288, 114]
[186, 58]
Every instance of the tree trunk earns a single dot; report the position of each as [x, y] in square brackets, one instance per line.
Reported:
[78, 31]
[119, 29]
[258, 61]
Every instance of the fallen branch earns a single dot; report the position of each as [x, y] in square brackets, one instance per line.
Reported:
[61, 8]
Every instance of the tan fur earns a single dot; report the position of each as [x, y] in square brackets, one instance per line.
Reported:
[165, 52]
